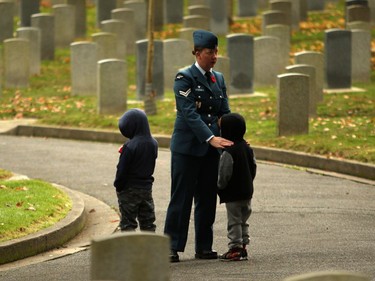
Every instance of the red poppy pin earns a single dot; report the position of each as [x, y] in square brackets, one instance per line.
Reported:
[213, 79]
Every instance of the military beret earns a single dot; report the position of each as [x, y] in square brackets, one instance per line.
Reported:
[204, 39]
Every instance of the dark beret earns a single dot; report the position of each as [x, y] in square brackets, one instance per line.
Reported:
[204, 39]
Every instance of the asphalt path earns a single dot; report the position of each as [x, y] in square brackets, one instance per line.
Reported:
[301, 221]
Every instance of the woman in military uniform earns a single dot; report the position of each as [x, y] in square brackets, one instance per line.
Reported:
[201, 100]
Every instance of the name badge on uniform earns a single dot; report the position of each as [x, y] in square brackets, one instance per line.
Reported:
[199, 89]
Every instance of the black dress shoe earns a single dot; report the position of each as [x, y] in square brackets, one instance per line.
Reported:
[206, 255]
[173, 256]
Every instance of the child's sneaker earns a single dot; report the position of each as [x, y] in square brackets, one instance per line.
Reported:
[235, 254]
[244, 254]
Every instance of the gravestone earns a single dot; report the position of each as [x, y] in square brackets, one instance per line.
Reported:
[117, 27]
[316, 5]
[64, 16]
[28, 8]
[200, 10]
[223, 65]
[282, 32]
[174, 11]
[329, 276]
[127, 15]
[140, 17]
[83, 68]
[57, 2]
[112, 85]
[247, 8]
[292, 104]
[361, 56]
[338, 58]
[187, 34]
[197, 2]
[103, 10]
[33, 35]
[273, 17]
[267, 60]
[46, 24]
[179, 55]
[302, 9]
[315, 59]
[6, 20]
[131, 256]
[240, 50]
[16, 63]
[262, 4]
[106, 45]
[311, 72]
[284, 6]
[219, 19]
[1, 72]
[158, 15]
[157, 66]
[196, 21]
[299, 12]
[80, 17]
[358, 13]
[358, 25]
[349, 3]
[371, 4]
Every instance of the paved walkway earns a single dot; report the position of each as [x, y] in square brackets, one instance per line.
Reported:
[302, 221]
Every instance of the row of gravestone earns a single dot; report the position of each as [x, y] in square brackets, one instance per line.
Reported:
[261, 68]
[126, 41]
[58, 28]
[166, 11]
[298, 93]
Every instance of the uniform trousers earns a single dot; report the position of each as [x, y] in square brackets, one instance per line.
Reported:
[192, 178]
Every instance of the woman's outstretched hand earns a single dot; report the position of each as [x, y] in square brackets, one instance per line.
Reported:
[219, 142]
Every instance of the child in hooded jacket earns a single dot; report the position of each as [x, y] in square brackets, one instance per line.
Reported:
[134, 175]
[237, 170]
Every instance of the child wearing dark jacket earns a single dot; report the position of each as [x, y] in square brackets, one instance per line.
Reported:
[237, 170]
[134, 176]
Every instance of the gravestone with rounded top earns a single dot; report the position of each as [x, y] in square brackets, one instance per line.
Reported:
[131, 256]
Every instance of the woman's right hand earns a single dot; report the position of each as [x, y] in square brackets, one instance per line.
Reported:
[219, 142]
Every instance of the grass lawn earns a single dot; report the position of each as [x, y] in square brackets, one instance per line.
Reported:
[27, 206]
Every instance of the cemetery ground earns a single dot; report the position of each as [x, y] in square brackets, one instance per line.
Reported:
[343, 128]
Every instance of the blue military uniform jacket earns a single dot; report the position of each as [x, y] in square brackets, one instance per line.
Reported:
[199, 106]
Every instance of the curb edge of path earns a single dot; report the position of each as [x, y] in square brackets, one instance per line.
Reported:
[50, 237]
[347, 167]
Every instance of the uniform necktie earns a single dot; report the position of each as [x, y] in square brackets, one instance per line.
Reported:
[208, 77]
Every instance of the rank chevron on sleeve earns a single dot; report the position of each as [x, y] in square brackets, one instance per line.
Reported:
[185, 94]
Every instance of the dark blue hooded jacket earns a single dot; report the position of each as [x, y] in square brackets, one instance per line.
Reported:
[138, 154]
[237, 167]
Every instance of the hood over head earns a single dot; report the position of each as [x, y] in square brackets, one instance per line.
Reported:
[233, 126]
[134, 123]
